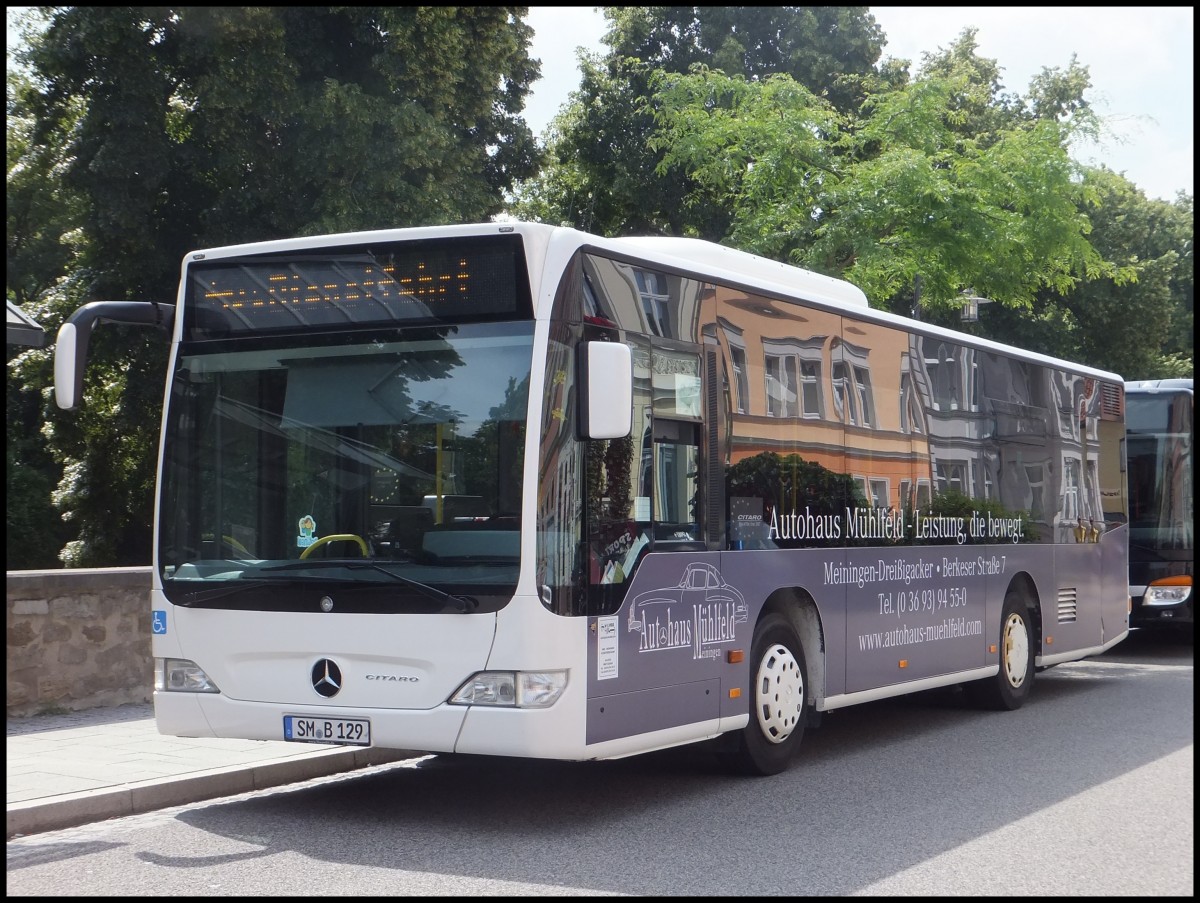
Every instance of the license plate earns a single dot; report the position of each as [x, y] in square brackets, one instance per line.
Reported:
[345, 731]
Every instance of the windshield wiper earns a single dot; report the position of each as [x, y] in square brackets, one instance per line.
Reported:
[197, 596]
[463, 603]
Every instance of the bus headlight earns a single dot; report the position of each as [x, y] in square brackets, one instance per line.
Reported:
[178, 675]
[1168, 591]
[518, 689]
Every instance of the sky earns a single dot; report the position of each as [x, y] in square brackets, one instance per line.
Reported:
[1141, 62]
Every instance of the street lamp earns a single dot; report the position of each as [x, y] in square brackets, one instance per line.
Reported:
[970, 305]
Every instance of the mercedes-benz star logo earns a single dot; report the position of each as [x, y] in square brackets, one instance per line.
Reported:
[326, 678]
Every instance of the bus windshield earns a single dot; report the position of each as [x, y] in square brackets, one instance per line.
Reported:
[1161, 494]
[343, 458]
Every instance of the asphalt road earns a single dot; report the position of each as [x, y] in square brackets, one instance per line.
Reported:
[1087, 790]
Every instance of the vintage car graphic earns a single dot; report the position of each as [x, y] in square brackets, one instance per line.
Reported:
[699, 612]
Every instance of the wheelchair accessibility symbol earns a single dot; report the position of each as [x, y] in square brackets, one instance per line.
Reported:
[158, 623]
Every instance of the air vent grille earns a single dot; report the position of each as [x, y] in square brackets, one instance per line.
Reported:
[1112, 401]
[1068, 604]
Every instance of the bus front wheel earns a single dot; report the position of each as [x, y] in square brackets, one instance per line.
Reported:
[1011, 686]
[778, 691]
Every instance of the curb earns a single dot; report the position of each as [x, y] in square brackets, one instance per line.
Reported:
[72, 809]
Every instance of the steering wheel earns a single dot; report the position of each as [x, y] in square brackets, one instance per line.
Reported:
[236, 546]
[335, 537]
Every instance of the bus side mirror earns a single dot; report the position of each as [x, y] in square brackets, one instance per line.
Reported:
[606, 374]
[71, 347]
[70, 359]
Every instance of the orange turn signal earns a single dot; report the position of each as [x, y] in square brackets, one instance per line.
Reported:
[1173, 580]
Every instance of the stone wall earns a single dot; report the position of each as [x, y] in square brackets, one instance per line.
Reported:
[78, 639]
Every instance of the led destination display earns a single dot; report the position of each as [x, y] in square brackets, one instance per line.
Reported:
[476, 279]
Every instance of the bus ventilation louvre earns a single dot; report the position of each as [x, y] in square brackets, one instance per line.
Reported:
[1068, 604]
[1112, 401]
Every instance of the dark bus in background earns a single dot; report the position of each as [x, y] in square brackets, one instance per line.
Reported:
[1159, 419]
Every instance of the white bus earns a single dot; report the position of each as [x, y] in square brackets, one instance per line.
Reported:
[519, 490]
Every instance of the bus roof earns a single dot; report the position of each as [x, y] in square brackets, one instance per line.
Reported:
[1151, 386]
[739, 265]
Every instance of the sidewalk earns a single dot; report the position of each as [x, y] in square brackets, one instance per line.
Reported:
[79, 767]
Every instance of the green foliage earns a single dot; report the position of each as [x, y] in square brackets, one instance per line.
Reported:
[141, 133]
[1140, 328]
[883, 199]
[606, 167]
[212, 125]
[948, 180]
[43, 244]
[35, 531]
[828, 49]
[763, 150]
[947, 177]
[599, 164]
[1002, 215]
[1174, 366]
[42, 213]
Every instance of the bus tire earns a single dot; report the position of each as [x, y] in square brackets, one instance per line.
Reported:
[778, 695]
[1009, 689]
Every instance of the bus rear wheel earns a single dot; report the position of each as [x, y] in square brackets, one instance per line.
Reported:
[1009, 689]
[778, 694]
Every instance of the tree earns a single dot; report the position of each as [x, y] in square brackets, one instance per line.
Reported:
[893, 195]
[1141, 329]
[43, 240]
[828, 49]
[1139, 240]
[605, 171]
[765, 152]
[34, 532]
[184, 127]
[948, 178]
[601, 173]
